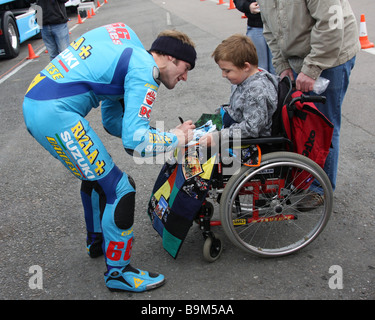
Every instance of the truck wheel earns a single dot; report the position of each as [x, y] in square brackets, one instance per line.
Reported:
[11, 37]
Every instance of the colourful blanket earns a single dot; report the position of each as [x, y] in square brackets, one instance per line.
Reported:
[178, 194]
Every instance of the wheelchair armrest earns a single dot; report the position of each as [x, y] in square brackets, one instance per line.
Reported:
[263, 140]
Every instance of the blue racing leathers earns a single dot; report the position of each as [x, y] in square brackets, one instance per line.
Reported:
[107, 67]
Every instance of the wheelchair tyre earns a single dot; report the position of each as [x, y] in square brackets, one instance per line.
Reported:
[260, 206]
[212, 248]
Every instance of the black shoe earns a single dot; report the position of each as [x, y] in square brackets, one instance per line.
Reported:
[310, 201]
[94, 242]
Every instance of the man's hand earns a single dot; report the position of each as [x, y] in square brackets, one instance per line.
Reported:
[287, 72]
[304, 83]
[184, 132]
[254, 7]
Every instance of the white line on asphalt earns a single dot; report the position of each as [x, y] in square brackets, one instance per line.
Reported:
[20, 67]
[24, 64]
[371, 50]
[169, 20]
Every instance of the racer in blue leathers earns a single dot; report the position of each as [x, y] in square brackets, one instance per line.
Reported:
[108, 67]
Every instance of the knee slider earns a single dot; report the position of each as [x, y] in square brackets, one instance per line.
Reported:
[124, 212]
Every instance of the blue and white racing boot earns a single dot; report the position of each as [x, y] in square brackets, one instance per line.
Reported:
[132, 279]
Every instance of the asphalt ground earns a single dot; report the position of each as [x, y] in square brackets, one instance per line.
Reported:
[42, 224]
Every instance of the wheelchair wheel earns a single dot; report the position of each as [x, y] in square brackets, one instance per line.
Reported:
[212, 248]
[261, 207]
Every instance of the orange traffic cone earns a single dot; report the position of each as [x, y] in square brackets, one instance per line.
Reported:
[231, 5]
[98, 4]
[363, 39]
[221, 2]
[79, 19]
[32, 55]
[92, 12]
[88, 14]
[105, 1]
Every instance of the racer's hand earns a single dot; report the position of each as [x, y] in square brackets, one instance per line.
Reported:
[184, 132]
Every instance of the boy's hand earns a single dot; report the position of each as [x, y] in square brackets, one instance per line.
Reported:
[208, 140]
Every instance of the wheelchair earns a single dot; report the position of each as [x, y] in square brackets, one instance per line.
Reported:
[260, 206]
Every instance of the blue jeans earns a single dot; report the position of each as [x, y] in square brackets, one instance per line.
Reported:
[56, 38]
[339, 82]
[264, 53]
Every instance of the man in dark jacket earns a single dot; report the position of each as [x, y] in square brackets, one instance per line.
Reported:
[55, 32]
[255, 32]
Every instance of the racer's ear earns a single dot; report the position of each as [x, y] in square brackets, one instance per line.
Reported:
[173, 59]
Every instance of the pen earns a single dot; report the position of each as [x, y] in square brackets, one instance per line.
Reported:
[182, 121]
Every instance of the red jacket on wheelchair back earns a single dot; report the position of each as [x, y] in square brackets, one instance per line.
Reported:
[310, 132]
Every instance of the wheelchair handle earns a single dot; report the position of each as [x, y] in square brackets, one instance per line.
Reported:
[318, 99]
[306, 98]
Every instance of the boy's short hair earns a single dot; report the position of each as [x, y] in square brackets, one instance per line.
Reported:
[237, 49]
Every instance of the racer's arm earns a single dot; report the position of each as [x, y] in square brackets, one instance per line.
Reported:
[112, 116]
[137, 135]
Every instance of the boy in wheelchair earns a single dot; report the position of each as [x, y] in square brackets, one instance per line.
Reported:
[254, 92]
[252, 103]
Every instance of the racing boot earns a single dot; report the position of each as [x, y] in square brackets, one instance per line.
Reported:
[94, 243]
[132, 279]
